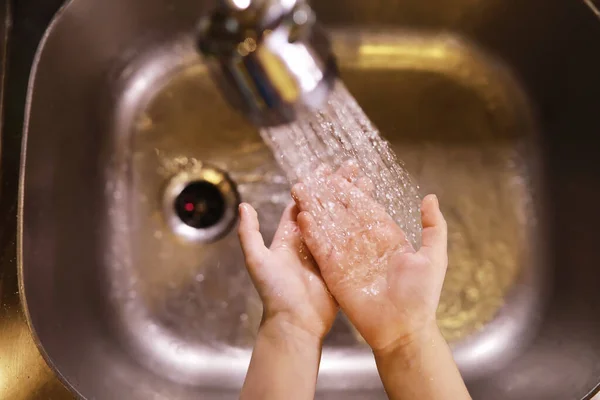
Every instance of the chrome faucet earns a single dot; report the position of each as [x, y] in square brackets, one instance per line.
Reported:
[270, 57]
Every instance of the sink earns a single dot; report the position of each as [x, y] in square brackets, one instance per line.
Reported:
[487, 104]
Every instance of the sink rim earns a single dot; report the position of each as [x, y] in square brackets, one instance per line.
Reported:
[21, 197]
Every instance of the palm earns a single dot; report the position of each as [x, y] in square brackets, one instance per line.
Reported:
[401, 301]
[366, 260]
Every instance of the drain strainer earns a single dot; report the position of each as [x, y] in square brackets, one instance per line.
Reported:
[201, 204]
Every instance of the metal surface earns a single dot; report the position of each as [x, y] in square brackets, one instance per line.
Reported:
[122, 309]
[24, 374]
[270, 57]
[592, 5]
[5, 22]
[193, 173]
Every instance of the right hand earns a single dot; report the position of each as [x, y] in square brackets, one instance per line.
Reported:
[389, 291]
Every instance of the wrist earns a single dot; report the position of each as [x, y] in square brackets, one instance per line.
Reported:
[410, 346]
[283, 333]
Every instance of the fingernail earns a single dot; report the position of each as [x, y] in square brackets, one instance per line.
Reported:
[435, 200]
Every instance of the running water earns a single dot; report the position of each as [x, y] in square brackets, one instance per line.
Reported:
[341, 133]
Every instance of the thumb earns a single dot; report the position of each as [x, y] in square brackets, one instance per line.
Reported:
[251, 240]
[435, 232]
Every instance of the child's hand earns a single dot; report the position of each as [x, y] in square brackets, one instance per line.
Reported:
[293, 293]
[388, 291]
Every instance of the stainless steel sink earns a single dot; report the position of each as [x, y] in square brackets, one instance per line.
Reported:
[480, 99]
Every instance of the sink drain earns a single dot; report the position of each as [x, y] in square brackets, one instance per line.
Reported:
[201, 205]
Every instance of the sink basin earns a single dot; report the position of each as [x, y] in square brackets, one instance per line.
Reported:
[486, 103]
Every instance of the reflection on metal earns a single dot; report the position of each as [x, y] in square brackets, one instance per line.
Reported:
[5, 24]
[270, 57]
[593, 7]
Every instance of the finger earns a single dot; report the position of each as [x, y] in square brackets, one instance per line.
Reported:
[362, 206]
[345, 192]
[435, 232]
[365, 185]
[323, 171]
[290, 214]
[304, 198]
[315, 238]
[371, 215]
[316, 198]
[251, 240]
[318, 175]
[335, 216]
[352, 173]
[349, 170]
[287, 233]
[313, 201]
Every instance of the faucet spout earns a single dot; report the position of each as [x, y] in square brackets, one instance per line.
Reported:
[270, 57]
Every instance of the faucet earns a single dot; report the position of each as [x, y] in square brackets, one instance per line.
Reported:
[271, 59]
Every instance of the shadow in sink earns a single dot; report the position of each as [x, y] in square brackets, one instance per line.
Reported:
[128, 302]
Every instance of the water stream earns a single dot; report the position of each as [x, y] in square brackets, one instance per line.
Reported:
[342, 133]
